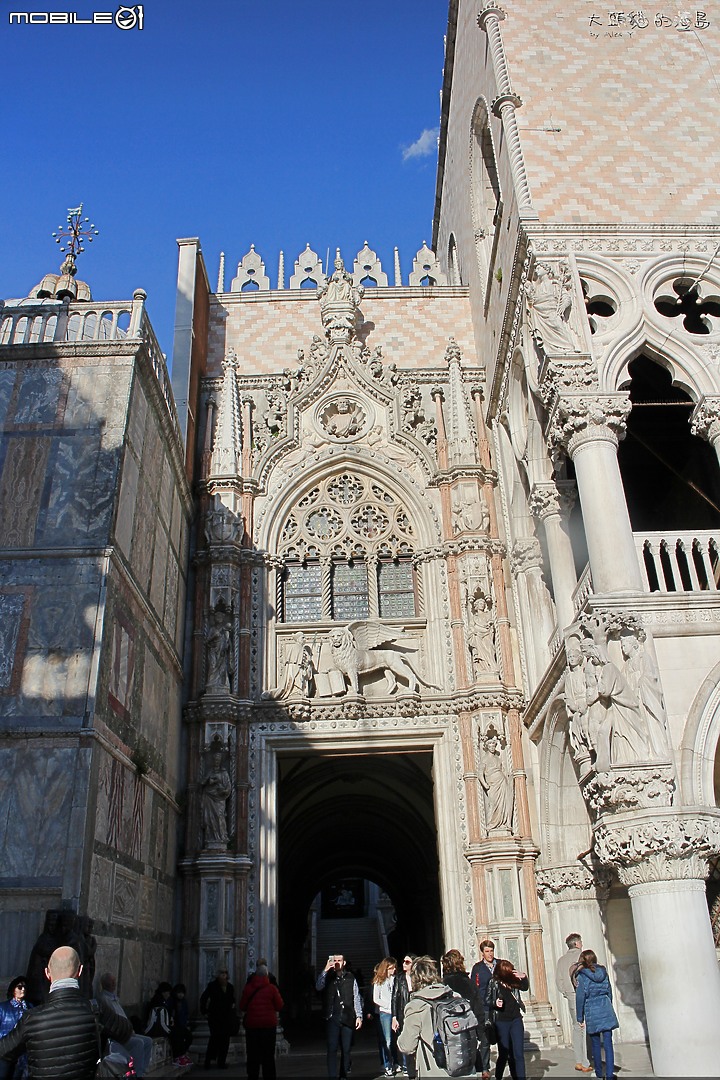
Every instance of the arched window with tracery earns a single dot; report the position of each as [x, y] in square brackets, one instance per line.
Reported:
[348, 547]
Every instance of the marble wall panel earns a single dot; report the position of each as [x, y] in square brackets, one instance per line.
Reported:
[172, 576]
[11, 612]
[130, 988]
[7, 385]
[164, 906]
[125, 896]
[144, 534]
[160, 558]
[159, 854]
[86, 400]
[107, 957]
[63, 617]
[154, 709]
[19, 930]
[38, 397]
[55, 683]
[82, 492]
[21, 484]
[148, 897]
[39, 784]
[167, 485]
[121, 823]
[152, 457]
[127, 501]
[138, 416]
[101, 877]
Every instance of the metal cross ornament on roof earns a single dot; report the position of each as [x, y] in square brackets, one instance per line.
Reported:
[78, 230]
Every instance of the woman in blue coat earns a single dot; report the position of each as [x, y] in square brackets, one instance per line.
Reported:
[593, 999]
[11, 1013]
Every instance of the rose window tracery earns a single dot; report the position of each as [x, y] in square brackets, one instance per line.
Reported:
[347, 549]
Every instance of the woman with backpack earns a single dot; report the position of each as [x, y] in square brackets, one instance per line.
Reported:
[417, 1033]
[593, 1002]
[504, 1007]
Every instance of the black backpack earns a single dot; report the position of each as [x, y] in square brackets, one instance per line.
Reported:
[455, 1033]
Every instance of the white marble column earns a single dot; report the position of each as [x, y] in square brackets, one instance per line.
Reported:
[526, 564]
[661, 855]
[588, 428]
[551, 503]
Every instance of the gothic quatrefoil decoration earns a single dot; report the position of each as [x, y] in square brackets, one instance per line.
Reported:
[700, 315]
[343, 418]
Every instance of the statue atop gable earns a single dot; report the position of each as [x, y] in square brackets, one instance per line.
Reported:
[339, 299]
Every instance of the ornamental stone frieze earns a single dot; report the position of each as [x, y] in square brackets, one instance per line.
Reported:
[573, 882]
[657, 845]
[629, 787]
[526, 555]
[576, 418]
[567, 374]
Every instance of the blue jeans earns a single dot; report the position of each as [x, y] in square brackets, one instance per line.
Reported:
[606, 1037]
[385, 1040]
[511, 1045]
[338, 1035]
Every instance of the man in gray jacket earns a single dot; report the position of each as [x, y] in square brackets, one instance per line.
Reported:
[564, 972]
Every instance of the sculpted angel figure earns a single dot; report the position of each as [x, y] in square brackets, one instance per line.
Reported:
[549, 301]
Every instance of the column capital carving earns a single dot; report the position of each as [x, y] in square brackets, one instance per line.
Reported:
[578, 418]
[659, 844]
[573, 882]
[526, 555]
[490, 11]
[552, 498]
[705, 419]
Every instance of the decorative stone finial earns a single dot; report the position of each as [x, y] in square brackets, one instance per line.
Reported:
[63, 286]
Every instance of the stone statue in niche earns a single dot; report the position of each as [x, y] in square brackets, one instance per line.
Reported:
[575, 697]
[414, 419]
[496, 781]
[549, 301]
[356, 651]
[481, 634]
[219, 649]
[299, 669]
[216, 790]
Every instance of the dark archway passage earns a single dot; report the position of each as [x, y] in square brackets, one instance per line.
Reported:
[357, 816]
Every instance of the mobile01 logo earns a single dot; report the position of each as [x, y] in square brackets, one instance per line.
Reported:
[125, 18]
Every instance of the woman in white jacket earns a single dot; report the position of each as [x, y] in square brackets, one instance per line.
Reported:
[383, 985]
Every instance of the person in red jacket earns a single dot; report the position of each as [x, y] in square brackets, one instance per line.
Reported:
[261, 1003]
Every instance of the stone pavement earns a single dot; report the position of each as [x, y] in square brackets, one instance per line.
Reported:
[306, 1061]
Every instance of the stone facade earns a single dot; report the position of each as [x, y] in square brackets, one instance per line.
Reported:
[95, 516]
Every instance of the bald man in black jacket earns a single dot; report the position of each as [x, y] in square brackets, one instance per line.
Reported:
[62, 1037]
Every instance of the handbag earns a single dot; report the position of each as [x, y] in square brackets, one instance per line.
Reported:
[234, 1024]
[491, 1033]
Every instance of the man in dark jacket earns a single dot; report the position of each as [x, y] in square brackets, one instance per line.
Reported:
[480, 977]
[342, 1009]
[62, 1037]
[217, 1002]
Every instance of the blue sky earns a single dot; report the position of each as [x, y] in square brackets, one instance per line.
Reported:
[273, 122]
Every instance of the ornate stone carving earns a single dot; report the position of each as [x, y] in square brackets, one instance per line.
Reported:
[496, 780]
[549, 298]
[367, 265]
[657, 846]
[560, 375]
[343, 418]
[222, 525]
[426, 268]
[250, 273]
[356, 651]
[628, 787]
[219, 649]
[414, 419]
[339, 299]
[469, 512]
[616, 708]
[577, 417]
[526, 555]
[705, 420]
[299, 669]
[566, 882]
[552, 498]
[216, 790]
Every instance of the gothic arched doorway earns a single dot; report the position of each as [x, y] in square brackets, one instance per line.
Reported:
[360, 817]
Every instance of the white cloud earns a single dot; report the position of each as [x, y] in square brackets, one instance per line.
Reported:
[424, 146]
